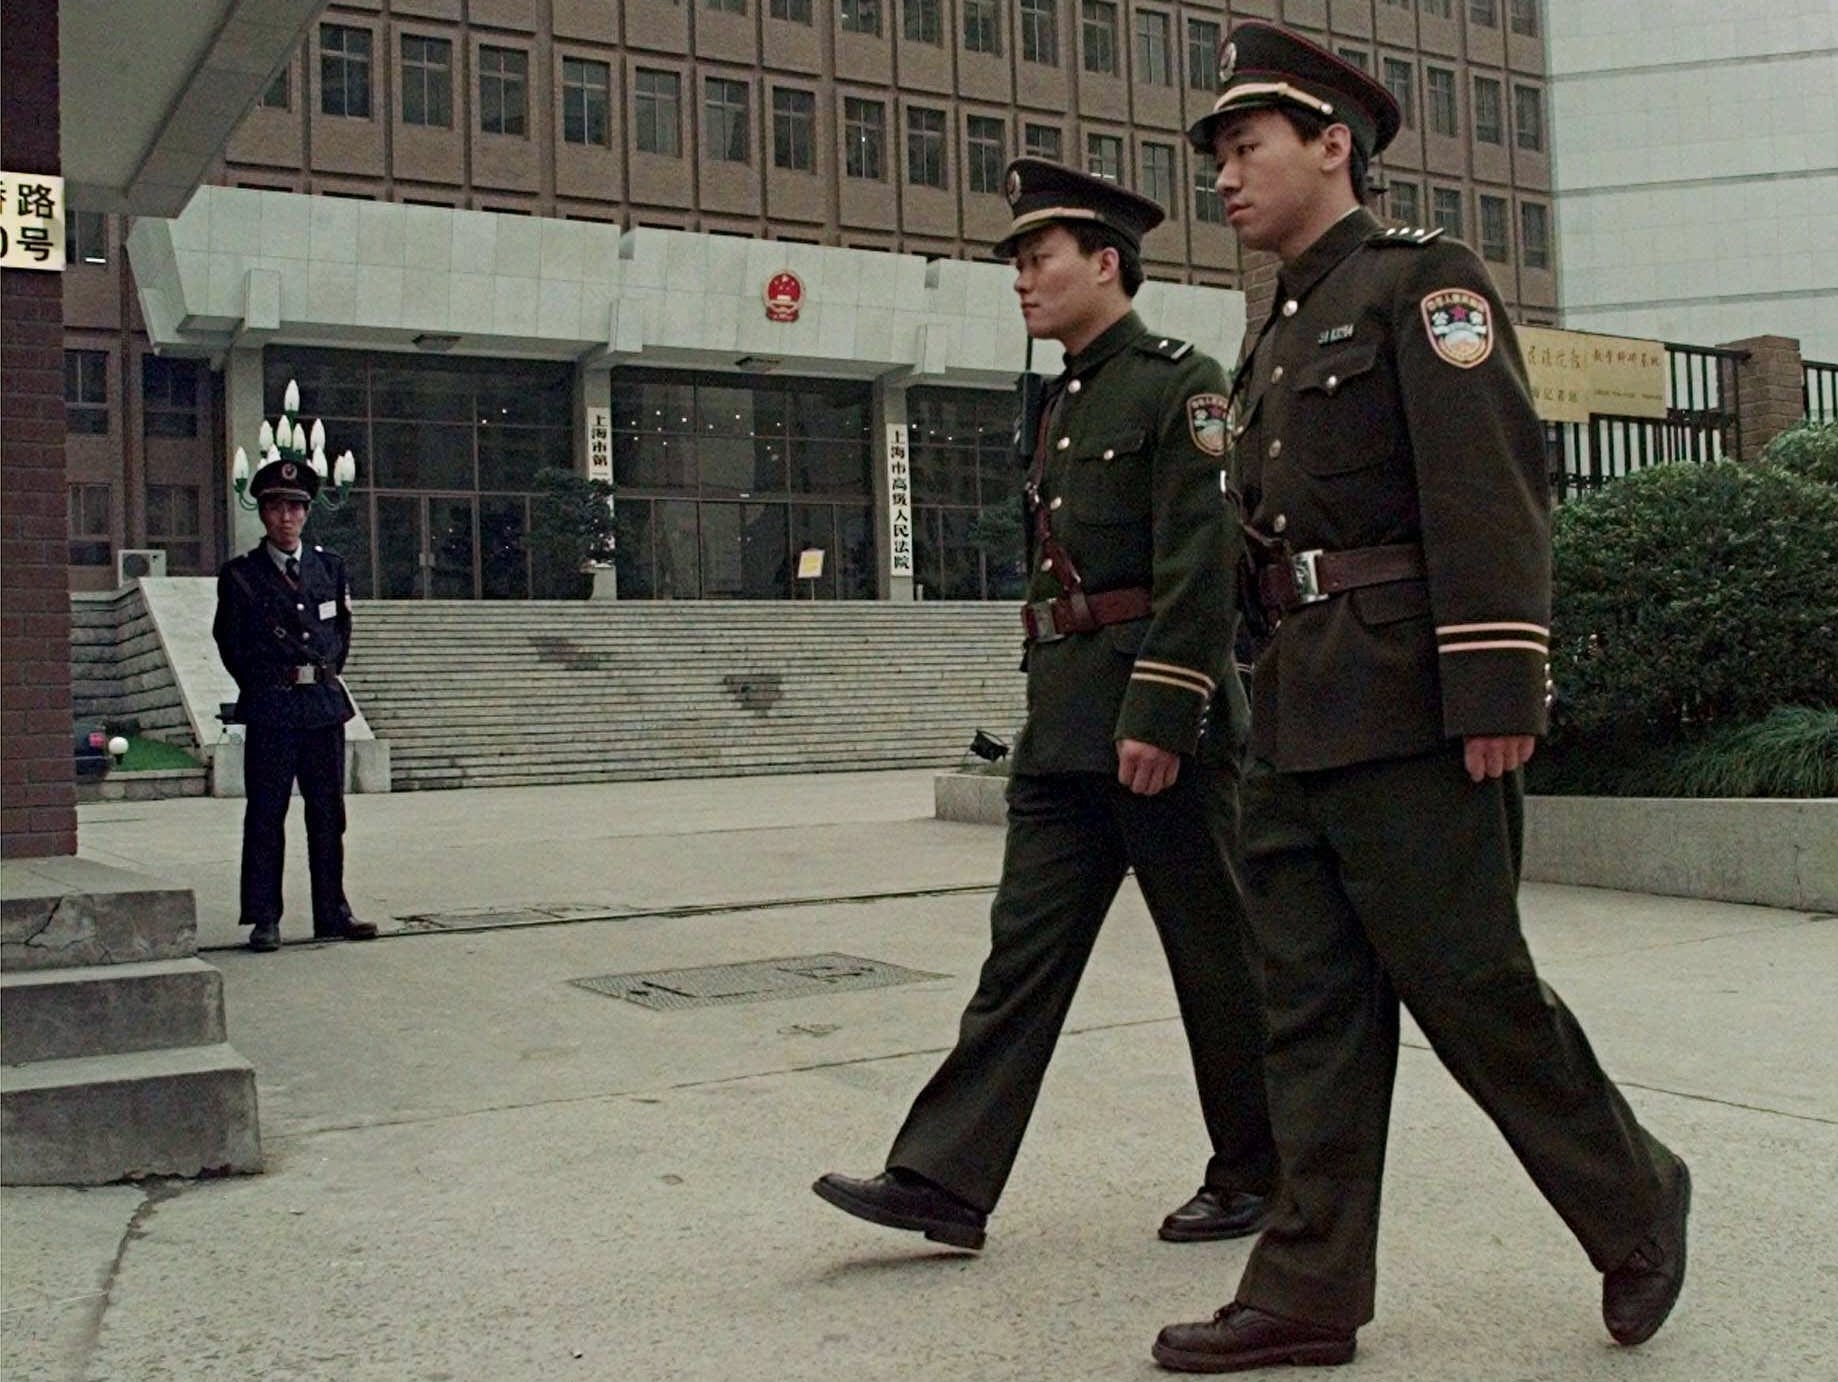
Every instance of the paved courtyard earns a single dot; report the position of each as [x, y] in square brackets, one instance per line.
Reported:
[480, 1169]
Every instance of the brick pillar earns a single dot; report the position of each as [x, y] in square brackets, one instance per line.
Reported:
[1770, 389]
[38, 795]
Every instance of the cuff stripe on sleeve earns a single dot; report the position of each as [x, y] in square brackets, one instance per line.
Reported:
[1536, 630]
[1491, 644]
[1170, 681]
[1199, 680]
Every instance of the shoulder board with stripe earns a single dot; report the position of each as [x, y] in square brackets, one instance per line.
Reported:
[1404, 235]
[1165, 346]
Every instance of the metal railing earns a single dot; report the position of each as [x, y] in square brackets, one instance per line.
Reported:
[1703, 422]
[1820, 390]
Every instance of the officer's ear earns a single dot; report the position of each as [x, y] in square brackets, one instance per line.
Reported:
[1110, 264]
[1335, 148]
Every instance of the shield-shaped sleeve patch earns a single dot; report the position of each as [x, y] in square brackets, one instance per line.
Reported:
[1206, 422]
[1460, 326]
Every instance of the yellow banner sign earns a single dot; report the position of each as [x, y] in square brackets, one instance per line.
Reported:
[1575, 373]
[32, 221]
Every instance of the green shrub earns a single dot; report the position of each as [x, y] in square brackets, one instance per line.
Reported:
[1689, 598]
[570, 524]
[1791, 753]
[1807, 448]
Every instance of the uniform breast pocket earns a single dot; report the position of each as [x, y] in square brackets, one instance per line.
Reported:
[1108, 480]
[1342, 414]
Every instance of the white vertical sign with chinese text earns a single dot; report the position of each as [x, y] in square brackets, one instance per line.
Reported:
[899, 500]
[600, 444]
[32, 221]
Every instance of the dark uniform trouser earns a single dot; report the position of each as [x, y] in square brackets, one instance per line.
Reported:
[272, 759]
[1071, 836]
[1399, 880]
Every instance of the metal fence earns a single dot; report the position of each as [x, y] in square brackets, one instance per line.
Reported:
[1820, 390]
[1703, 422]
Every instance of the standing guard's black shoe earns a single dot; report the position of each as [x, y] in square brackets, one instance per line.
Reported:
[1213, 1214]
[351, 929]
[1639, 1294]
[901, 1199]
[265, 936]
[1241, 1337]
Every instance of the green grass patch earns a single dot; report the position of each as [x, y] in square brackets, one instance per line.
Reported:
[1792, 752]
[153, 756]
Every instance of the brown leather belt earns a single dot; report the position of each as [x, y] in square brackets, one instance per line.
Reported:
[1046, 621]
[1285, 585]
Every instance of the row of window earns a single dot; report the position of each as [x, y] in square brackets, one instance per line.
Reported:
[168, 395]
[1522, 15]
[345, 59]
[1447, 210]
[172, 523]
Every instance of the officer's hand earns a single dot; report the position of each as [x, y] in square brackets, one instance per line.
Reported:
[1144, 768]
[1493, 755]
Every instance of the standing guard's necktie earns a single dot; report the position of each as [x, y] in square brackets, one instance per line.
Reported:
[293, 572]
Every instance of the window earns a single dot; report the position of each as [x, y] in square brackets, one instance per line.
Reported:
[982, 26]
[864, 135]
[1104, 156]
[1535, 235]
[925, 147]
[587, 97]
[657, 105]
[504, 89]
[1208, 205]
[1493, 229]
[1445, 209]
[1398, 83]
[86, 392]
[1439, 83]
[987, 143]
[1489, 115]
[90, 543]
[279, 93]
[791, 11]
[794, 120]
[1153, 59]
[724, 120]
[168, 397]
[725, 6]
[427, 82]
[1524, 17]
[923, 21]
[1528, 117]
[1484, 12]
[344, 71]
[1202, 54]
[1041, 141]
[1158, 176]
[1040, 31]
[1099, 23]
[963, 469]
[1442, 9]
[1404, 203]
[861, 16]
[1358, 57]
[172, 523]
[86, 238]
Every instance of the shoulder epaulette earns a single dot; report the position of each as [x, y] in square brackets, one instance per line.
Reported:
[1165, 346]
[1404, 235]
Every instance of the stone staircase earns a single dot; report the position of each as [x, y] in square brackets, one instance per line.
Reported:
[119, 669]
[470, 694]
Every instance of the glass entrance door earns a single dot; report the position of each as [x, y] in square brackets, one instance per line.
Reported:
[426, 547]
[450, 561]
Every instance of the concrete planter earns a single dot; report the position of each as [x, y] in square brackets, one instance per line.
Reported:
[154, 785]
[1770, 852]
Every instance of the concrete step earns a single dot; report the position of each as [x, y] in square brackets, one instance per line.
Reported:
[95, 1119]
[64, 1013]
[69, 913]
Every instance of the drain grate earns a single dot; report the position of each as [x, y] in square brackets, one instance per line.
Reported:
[753, 982]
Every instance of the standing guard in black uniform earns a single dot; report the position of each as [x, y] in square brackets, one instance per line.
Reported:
[283, 629]
[1129, 754]
[1392, 472]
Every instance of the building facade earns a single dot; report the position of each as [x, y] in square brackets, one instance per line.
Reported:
[476, 229]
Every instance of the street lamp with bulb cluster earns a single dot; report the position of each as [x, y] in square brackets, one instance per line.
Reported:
[289, 440]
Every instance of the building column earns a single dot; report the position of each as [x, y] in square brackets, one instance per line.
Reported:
[889, 414]
[1770, 390]
[38, 792]
[242, 419]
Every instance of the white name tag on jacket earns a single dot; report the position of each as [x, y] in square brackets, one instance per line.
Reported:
[328, 609]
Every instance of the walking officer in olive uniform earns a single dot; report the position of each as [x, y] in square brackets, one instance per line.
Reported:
[1128, 757]
[1392, 473]
[283, 629]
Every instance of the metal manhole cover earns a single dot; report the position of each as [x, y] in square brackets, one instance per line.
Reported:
[753, 982]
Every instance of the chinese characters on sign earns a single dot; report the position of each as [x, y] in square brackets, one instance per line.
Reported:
[810, 564]
[1575, 373]
[31, 221]
[600, 444]
[899, 500]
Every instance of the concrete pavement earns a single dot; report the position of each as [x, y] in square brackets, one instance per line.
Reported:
[479, 1170]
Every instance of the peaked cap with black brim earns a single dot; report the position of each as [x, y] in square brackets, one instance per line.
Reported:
[1262, 67]
[1044, 194]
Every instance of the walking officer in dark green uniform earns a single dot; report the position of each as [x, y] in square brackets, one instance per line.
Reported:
[1392, 474]
[1128, 755]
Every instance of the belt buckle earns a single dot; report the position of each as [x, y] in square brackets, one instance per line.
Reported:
[1307, 579]
[1046, 630]
[305, 674]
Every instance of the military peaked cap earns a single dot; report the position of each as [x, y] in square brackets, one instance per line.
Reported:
[1262, 67]
[285, 479]
[1042, 194]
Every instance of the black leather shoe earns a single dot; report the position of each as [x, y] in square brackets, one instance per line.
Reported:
[1212, 1214]
[900, 1199]
[265, 936]
[1241, 1337]
[352, 930]
[1639, 1294]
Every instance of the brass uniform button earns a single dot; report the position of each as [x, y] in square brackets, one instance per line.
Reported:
[1064, 442]
[1289, 308]
[1074, 386]
[1279, 523]
[1276, 449]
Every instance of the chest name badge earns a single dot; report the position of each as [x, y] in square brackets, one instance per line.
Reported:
[1335, 333]
[1206, 414]
[1460, 326]
[328, 609]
